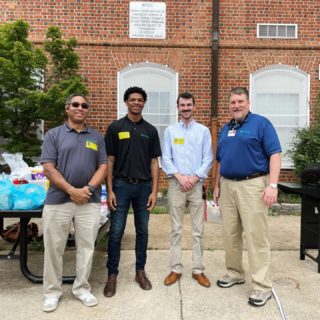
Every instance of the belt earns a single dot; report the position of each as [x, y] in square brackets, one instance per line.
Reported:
[252, 176]
[132, 180]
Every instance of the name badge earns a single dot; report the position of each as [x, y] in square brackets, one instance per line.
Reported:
[232, 133]
[124, 135]
[178, 141]
[91, 145]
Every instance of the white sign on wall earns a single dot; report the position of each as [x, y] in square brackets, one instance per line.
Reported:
[147, 20]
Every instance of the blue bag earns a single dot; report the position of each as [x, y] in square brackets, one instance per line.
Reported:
[6, 200]
[28, 196]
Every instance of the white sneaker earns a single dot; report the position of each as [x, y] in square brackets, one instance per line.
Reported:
[50, 304]
[227, 281]
[88, 299]
[259, 298]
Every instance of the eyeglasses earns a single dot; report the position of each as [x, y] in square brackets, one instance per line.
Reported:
[76, 104]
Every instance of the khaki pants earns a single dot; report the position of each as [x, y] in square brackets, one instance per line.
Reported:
[56, 225]
[177, 202]
[243, 211]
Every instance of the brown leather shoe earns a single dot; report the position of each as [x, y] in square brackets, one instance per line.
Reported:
[143, 281]
[111, 285]
[202, 279]
[172, 278]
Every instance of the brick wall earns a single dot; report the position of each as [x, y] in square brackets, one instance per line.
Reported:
[102, 29]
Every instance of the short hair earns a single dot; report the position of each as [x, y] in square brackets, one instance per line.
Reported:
[68, 101]
[239, 90]
[186, 95]
[134, 90]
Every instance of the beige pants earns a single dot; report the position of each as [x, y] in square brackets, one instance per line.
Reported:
[56, 225]
[243, 211]
[177, 202]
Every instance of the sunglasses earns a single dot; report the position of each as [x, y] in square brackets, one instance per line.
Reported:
[83, 105]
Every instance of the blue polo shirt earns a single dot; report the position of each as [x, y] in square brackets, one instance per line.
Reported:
[77, 156]
[247, 151]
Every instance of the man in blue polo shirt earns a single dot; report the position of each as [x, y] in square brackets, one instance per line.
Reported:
[249, 161]
[133, 148]
[75, 162]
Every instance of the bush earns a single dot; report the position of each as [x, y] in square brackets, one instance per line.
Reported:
[306, 144]
[305, 148]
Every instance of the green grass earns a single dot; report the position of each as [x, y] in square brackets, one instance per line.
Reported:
[288, 197]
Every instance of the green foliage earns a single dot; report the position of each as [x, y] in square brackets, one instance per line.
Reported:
[34, 85]
[306, 144]
[306, 148]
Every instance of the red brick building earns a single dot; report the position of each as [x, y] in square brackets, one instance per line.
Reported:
[205, 47]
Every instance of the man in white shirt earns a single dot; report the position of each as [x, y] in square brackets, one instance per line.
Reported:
[186, 159]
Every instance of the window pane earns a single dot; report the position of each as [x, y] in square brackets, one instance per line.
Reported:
[280, 93]
[277, 103]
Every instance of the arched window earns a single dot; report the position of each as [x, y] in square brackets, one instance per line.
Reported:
[281, 94]
[161, 84]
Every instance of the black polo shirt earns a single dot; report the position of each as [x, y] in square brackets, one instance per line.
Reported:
[133, 144]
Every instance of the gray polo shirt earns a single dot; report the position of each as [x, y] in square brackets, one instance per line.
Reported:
[77, 157]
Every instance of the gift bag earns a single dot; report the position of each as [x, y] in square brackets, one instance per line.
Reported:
[212, 213]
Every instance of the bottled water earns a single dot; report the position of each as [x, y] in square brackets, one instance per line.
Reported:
[104, 214]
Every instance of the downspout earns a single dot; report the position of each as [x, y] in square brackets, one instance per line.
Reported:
[214, 79]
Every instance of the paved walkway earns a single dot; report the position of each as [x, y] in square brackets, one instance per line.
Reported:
[296, 282]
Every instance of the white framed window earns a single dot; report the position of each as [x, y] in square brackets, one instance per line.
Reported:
[281, 93]
[161, 84]
[277, 31]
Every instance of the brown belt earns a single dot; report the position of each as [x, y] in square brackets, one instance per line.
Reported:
[252, 176]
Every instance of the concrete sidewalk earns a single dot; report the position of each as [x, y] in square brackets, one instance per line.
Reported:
[296, 282]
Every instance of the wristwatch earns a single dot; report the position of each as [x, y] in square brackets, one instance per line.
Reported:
[91, 188]
[273, 185]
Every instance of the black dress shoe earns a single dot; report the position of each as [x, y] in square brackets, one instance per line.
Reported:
[143, 281]
[111, 285]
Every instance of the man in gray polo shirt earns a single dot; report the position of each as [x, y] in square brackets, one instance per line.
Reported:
[74, 160]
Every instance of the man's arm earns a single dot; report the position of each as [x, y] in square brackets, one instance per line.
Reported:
[216, 187]
[99, 175]
[155, 179]
[269, 194]
[112, 201]
[77, 195]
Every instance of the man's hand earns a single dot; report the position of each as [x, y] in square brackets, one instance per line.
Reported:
[79, 196]
[112, 201]
[216, 193]
[269, 196]
[152, 200]
[186, 182]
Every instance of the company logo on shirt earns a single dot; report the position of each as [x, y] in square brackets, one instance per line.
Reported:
[124, 135]
[178, 141]
[144, 136]
[91, 145]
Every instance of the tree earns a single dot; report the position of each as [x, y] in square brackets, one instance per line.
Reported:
[34, 84]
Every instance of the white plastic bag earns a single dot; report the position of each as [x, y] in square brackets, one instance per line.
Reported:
[19, 168]
[213, 212]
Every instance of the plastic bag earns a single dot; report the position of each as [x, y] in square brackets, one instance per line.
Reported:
[6, 200]
[213, 212]
[18, 167]
[28, 196]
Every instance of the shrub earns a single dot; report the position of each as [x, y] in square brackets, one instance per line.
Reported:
[306, 144]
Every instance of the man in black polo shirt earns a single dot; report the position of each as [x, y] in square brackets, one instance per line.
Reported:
[133, 147]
